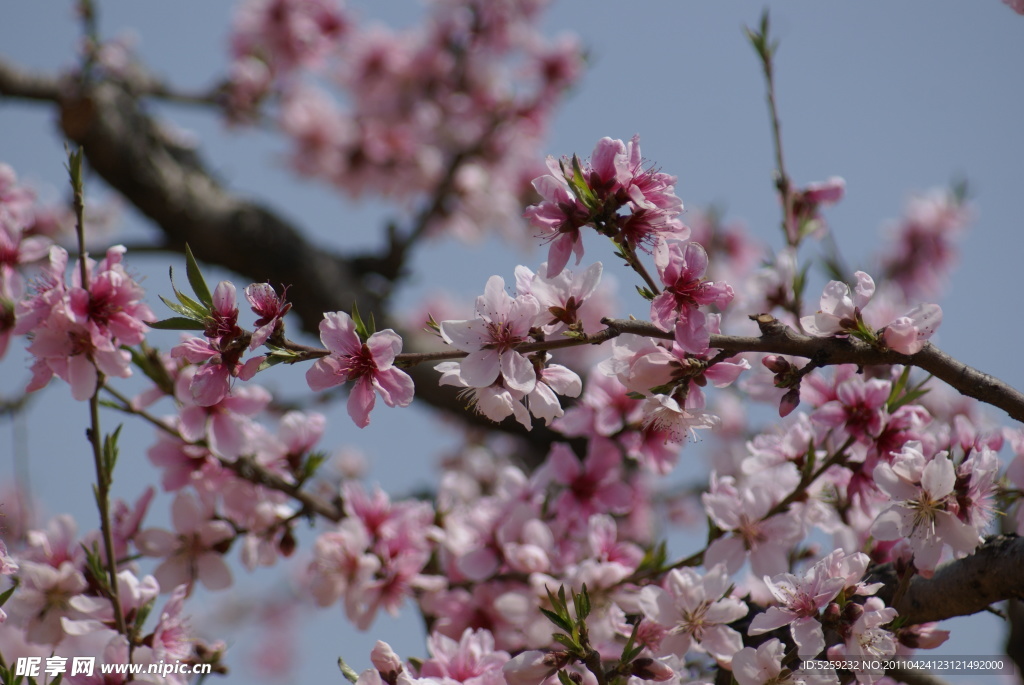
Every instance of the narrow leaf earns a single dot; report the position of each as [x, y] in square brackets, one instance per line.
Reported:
[177, 323]
[175, 307]
[557, 620]
[195, 278]
[198, 311]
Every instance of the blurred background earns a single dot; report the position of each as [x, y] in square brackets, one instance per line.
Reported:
[897, 98]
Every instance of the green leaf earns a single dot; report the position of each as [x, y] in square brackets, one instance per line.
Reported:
[311, 464]
[581, 602]
[177, 323]
[149, 362]
[563, 677]
[110, 450]
[558, 602]
[557, 620]
[347, 671]
[74, 167]
[645, 292]
[195, 278]
[184, 311]
[579, 184]
[897, 387]
[566, 641]
[198, 311]
[6, 595]
[361, 330]
[911, 396]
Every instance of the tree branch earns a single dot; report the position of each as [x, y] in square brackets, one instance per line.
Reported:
[170, 184]
[778, 338]
[961, 587]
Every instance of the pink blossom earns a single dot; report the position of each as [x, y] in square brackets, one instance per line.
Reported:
[840, 310]
[342, 566]
[532, 667]
[271, 309]
[111, 308]
[494, 401]
[593, 486]
[1016, 5]
[190, 552]
[807, 219]
[43, 599]
[763, 665]
[908, 333]
[502, 323]
[801, 600]
[8, 566]
[742, 511]
[925, 508]
[867, 639]
[695, 609]
[860, 407]
[562, 296]
[472, 660]
[289, 33]
[665, 414]
[171, 636]
[370, 365]
[560, 216]
[922, 247]
[224, 425]
[681, 267]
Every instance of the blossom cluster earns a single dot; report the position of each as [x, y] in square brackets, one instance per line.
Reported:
[457, 104]
[537, 559]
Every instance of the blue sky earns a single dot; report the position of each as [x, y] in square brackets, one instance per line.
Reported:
[894, 97]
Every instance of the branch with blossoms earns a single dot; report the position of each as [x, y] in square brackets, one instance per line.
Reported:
[907, 484]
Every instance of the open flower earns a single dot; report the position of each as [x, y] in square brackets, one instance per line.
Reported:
[695, 609]
[840, 310]
[370, 365]
[682, 267]
[502, 323]
[926, 508]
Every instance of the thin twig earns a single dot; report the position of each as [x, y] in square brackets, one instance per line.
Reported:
[104, 476]
[245, 468]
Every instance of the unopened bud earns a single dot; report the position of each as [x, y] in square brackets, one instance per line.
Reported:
[776, 364]
[386, 662]
[832, 614]
[647, 668]
[853, 612]
[789, 402]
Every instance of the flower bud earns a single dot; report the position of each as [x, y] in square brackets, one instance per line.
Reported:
[647, 668]
[386, 661]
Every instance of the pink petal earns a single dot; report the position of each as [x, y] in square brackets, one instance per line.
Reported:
[212, 572]
[82, 377]
[517, 371]
[395, 386]
[325, 373]
[210, 384]
[480, 368]
[361, 401]
[186, 513]
[338, 334]
[227, 435]
[384, 345]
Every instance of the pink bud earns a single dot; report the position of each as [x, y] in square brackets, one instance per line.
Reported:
[385, 660]
[790, 401]
[646, 668]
